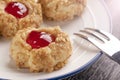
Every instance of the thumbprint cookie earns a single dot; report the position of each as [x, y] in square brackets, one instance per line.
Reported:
[60, 10]
[18, 14]
[44, 49]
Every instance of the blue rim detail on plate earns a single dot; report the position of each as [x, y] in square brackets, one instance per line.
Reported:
[3, 79]
[92, 61]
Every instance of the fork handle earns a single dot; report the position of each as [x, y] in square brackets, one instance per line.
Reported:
[105, 68]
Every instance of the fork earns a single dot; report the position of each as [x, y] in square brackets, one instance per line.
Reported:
[104, 41]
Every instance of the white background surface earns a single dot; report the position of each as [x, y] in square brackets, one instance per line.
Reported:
[114, 7]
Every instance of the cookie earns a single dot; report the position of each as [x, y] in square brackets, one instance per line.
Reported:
[45, 49]
[18, 14]
[60, 10]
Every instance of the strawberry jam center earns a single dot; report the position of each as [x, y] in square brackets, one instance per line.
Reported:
[39, 39]
[17, 9]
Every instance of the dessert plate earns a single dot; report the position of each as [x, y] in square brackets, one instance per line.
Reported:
[84, 54]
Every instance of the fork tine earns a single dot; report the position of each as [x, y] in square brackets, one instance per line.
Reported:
[92, 35]
[99, 31]
[95, 35]
[91, 40]
[81, 35]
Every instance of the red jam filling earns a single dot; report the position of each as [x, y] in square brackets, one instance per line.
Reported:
[39, 39]
[17, 9]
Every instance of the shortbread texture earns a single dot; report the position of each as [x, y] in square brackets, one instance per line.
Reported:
[9, 24]
[60, 10]
[45, 59]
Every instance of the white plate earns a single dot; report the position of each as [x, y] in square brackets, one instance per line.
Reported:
[84, 54]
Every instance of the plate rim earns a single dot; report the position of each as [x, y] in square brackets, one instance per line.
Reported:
[109, 14]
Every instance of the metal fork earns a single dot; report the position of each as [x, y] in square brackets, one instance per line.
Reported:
[109, 44]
